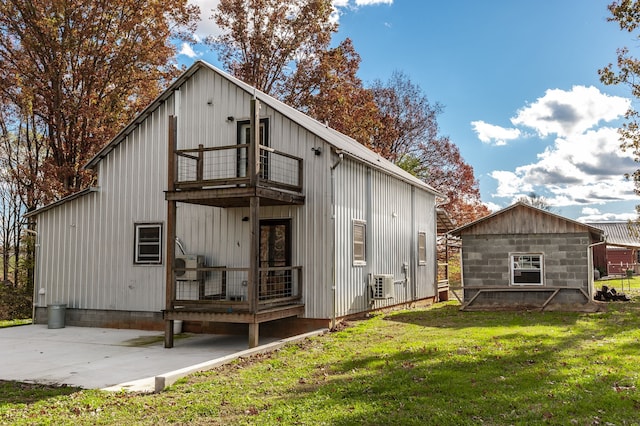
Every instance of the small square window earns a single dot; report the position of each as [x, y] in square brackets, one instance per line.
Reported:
[359, 243]
[148, 244]
[422, 248]
[527, 269]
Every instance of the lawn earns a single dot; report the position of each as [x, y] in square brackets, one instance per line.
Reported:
[434, 366]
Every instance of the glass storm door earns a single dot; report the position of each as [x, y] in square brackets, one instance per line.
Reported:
[244, 137]
[275, 252]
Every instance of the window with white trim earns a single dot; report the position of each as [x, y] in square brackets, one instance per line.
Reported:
[527, 269]
[359, 243]
[422, 248]
[148, 244]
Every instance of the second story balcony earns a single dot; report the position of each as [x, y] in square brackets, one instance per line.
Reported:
[217, 176]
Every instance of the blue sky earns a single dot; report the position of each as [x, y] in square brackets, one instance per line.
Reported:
[519, 84]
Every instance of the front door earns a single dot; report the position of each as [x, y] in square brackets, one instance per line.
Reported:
[275, 258]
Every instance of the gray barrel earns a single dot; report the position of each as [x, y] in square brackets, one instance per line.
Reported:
[55, 315]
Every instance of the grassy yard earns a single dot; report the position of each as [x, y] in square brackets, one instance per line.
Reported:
[436, 366]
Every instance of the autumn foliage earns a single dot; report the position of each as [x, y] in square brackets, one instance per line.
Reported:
[73, 72]
[626, 72]
[282, 48]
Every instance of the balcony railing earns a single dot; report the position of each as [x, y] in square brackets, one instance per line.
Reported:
[226, 166]
[222, 288]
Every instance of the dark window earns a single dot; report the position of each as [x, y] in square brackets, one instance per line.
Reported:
[148, 243]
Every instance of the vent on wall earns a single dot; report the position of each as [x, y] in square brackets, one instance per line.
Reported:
[188, 261]
[382, 286]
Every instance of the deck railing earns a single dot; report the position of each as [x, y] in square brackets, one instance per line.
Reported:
[228, 288]
[226, 166]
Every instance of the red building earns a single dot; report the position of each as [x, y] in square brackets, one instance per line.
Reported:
[621, 250]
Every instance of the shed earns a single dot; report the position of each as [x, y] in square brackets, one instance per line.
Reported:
[525, 257]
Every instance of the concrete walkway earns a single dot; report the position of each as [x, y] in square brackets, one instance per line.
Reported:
[99, 358]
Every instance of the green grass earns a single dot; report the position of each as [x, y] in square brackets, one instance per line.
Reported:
[12, 323]
[619, 283]
[435, 366]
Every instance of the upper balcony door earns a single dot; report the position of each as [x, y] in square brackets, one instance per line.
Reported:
[275, 252]
[244, 137]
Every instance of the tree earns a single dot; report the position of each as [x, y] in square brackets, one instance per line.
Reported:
[412, 139]
[327, 88]
[627, 14]
[78, 70]
[536, 200]
[282, 48]
[262, 40]
[408, 113]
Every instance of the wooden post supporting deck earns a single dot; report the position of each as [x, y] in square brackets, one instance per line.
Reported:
[171, 230]
[254, 220]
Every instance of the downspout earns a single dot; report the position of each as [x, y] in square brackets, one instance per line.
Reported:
[590, 265]
[335, 255]
[36, 247]
[444, 200]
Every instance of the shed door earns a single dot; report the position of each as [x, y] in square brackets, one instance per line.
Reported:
[275, 258]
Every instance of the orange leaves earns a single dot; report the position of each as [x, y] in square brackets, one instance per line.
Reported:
[89, 66]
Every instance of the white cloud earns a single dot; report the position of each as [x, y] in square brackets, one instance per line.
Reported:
[188, 51]
[583, 165]
[372, 2]
[590, 211]
[206, 26]
[493, 207]
[607, 217]
[494, 135]
[573, 112]
[577, 170]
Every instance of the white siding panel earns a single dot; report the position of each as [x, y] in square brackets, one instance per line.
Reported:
[85, 257]
[394, 214]
[86, 245]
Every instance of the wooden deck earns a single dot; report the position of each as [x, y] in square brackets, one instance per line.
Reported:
[240, 175]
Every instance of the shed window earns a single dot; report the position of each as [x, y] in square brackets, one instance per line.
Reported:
[422, 248]
[148, 243]
[527, 269]
[359, 243]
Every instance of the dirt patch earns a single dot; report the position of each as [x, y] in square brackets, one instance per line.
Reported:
[15, 303]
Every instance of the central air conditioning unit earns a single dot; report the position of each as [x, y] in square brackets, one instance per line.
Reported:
[382, 286]
[189, 261]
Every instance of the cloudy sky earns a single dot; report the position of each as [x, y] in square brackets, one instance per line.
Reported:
[519, 84]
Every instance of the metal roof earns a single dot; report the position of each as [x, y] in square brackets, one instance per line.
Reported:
[62, 201]
[342, 143]
[621, 234]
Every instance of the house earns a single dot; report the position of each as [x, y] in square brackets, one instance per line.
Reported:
[525, 257]
[220, 206]
[622, 251]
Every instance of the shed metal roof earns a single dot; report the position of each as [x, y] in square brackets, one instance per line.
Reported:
[621, 234]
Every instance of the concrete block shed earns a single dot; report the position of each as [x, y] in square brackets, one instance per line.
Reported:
[523, 257]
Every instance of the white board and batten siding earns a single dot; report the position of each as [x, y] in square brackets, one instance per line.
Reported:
[86, 245]
[206, 102]
[394, 213]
